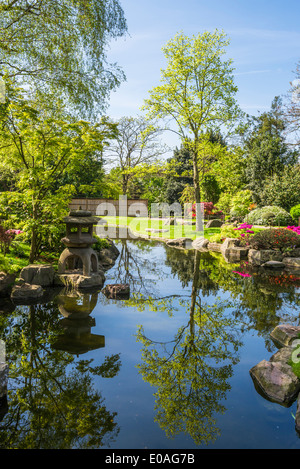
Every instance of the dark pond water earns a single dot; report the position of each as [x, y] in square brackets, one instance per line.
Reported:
[167, 368]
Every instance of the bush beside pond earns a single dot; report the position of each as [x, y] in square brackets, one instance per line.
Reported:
[276, 239]
[269, 216]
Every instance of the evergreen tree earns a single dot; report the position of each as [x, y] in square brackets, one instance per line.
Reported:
[181, 176]
[267, 152]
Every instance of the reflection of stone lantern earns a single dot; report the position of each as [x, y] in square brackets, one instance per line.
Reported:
[77, 323]
[79, 258]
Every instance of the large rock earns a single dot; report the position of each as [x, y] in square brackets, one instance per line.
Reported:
[216, 247]
[283, 355]
[179, 242]
[292, 253]
[78, 281]
[38, 274]
[25, 292]
[117, 291]
[235, 254]
[259, 257]
[229, 243]
[200, 243]
[6, 283]
[292, 262]
[232, 251]
[273, 265]
[285, 334]
[277, 381]
[214, 223]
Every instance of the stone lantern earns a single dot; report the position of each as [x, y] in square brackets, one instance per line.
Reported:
[79, 258]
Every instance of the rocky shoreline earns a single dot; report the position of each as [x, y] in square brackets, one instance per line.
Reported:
[38, 280]
[275, 379]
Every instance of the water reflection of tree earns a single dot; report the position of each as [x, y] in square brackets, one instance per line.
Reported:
[191, 372]
[135, 266]
[51, 400]
[182, 265]
[259, 303]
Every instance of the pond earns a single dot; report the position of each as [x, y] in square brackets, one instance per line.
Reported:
[167, 368]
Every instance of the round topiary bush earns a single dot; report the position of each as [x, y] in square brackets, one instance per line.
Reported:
[269, 216]
[295, 212]
[275, 238]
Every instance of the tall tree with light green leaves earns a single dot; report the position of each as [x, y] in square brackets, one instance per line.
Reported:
[196, 94]
[61, 46]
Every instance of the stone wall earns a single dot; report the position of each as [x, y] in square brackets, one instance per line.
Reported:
[110, 207]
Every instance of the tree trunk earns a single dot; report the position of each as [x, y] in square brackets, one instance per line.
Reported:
[33, 247]
[199, 224]
[34, 236]
[124, 183]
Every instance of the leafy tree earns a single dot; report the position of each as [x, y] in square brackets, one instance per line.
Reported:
[60, 46]
[40, 149]
[229, 170]
[136, 144]
[197, 93]
[291, 109]
[283, 189]
[266, 150]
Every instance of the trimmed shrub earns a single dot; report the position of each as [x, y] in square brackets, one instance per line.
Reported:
[275, 238]
[295, 212]
[269, 216]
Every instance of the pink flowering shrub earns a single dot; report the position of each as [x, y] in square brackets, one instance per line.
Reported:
[276, 238]
[245, 233]
[6, 238]
[209, 209]
[296, 229]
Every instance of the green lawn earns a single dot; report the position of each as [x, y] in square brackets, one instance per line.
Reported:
[16, 259]
[139, 225]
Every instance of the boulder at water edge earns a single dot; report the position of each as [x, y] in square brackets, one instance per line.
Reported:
[21, 293]
[285, 334]
[200, 243]
[38, 274]
[117, 291]
[6, 283]
[277, 381]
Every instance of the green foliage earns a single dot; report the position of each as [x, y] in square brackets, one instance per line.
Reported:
[60, 46]
[229, 170]
[224, 202]
[179, 177]
[283, 189]
[226, 231]
[101, 243]
[16, 258]
[266, 151]
[269, 215]
[210, 188]
[275, 238]
[42, 150]
[240, 203]
[295, 212]
[197, 93]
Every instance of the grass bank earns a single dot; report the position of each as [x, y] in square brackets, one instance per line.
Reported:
[142, 227]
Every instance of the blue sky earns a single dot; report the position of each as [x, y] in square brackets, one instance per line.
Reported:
[264, 47]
